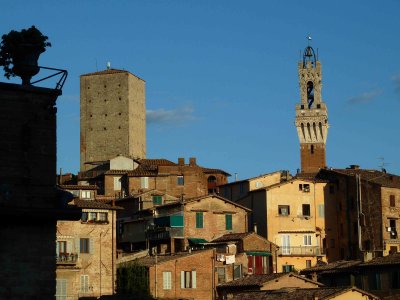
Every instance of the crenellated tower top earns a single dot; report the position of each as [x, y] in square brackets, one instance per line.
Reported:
[311, 114]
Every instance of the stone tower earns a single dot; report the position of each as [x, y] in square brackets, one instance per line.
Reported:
[311, 114]
[113, 117]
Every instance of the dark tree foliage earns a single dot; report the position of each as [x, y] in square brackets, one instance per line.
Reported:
[133, 279]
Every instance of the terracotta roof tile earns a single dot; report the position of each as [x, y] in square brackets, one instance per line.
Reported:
[78, 187]
[93, 204]
[157, 162]
[151, 260]
[231, 237]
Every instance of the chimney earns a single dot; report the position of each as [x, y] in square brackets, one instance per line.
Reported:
[181, 161]
[255, 227]
[192, 161]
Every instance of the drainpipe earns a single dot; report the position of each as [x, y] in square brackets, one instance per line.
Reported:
[100, 262]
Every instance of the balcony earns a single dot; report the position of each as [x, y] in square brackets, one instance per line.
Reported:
[161, 233]
[301, 251]
[67, 258]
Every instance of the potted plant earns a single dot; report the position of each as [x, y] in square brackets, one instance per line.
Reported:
[22, 49]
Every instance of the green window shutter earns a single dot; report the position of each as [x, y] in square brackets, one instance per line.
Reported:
[157, 200]
[228, 222]
[199, 220]
[193, 279]
[182, 279]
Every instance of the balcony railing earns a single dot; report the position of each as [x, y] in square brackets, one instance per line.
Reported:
[67, 258]
[161, 233]
[301, 251]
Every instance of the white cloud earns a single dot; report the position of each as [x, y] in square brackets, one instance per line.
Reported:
[365, 97]
[172, 116]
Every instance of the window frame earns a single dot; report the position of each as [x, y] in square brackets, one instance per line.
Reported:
[228, 222]
[84, 284]
[199, 220]
[167, 280]
[306, 208]
[307, 240]
[280, 207]
[157, 200]
[180, 180]
[84, 245]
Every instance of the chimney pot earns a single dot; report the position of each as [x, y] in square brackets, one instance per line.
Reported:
[192, 161]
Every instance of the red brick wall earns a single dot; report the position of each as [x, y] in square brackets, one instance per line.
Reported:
[312, 162]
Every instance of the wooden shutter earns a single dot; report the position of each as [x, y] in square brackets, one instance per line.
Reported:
[91, 246]
[166, 280]
[182, 279]
[193, 279]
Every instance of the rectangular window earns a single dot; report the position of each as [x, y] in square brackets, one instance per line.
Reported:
[221, 274]
[84, 284]
[308, 263]
[92, 216]
[285, 244]
[84, 216]
[392, 201]
[300, 187]
[287, 268]
[199, 220]
[167, 282]
[284, 210]
[144, 182]
[306, 210]
[85, 194]
[84, 245]
[117, 183]
[228, 222]
[103, 217]
[332, 243]
[157, 200]
[237, 271]
[180, 180]
[307, 240]
[188, 279]
[321, 210]
[306, 188]
[61, 289]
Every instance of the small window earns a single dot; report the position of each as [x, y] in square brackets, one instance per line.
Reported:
[306, 188]
[392, 223]
[188, 279]
[84, 245]
[199, 220]
[308, 263]
[221, 274]
[157, 200]
[84, 284]
[228, 222]
[307, 240]
[85, 194]
[306, 210]
[392, 201]
[103, 217]
[144, 182]
[180, 180]
[84, 217]
[92, 216]
[321, 210]
[259, 184]
[117, 183]
[167, 280]
[61, 289]
[312, 149]
[287, 268]
[302, 106]
[284, 210]
[332, 243]
[300, 187]
[318, 105]
[237, 271]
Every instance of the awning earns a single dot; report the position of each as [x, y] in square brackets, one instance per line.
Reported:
[258, 253]
[197, 241]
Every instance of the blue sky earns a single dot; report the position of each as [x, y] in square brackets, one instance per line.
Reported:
[221, 76]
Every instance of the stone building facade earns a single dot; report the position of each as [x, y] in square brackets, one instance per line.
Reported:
[113, 117]
[86, 251]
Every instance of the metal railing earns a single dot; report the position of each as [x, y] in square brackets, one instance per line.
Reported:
[67, 258]
[60, 82]
[300, 251]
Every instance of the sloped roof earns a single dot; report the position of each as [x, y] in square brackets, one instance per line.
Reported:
[231, 237]
[260, 280]
[374, 176]
[77, 187]
[93, 204]
[157, 162]
[151, 260]
[337, 266]
[322, 293]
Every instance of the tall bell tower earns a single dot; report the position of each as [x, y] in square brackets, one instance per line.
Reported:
[311, 114]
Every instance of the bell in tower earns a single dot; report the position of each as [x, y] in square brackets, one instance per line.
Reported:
[311, 114]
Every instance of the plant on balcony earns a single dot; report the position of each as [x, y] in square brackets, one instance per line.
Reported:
[22, 49]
